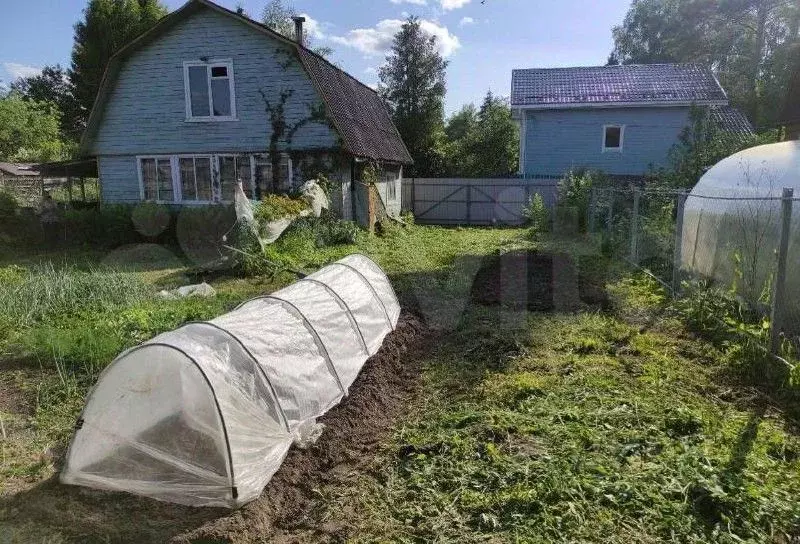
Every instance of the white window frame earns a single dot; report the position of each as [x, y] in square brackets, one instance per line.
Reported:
[228, 63]
[176, 190]
[179, 181]
[621, 139]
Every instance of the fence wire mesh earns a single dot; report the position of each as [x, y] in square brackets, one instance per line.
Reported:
[733, 243]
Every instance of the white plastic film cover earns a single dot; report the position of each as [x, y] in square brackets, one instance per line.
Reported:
[204, 415]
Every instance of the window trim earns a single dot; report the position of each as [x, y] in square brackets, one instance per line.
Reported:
[228, 63]
[621, 139]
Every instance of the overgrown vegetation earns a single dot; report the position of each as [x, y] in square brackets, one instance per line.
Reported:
[275, 206]
[555, 428]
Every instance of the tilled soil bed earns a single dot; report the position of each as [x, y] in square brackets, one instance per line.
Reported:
[286, 511]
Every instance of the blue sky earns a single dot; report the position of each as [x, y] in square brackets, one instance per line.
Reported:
[483, 42]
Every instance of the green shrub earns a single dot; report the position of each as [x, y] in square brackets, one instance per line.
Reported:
[327, 230]
[574, 193]
[104, 227]
[8, 207]
[537, 214]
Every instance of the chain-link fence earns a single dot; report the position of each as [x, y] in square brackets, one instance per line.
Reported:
[749, 246]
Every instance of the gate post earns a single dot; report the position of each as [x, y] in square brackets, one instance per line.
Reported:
[634, 252]
[678, 253]
[779, 288]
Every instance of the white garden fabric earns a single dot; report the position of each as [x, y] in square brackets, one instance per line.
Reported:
[204, 415]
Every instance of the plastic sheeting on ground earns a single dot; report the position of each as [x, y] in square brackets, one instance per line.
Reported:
[204, 415]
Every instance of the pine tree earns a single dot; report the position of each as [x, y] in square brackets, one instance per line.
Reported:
[413, 85]
[106, 27]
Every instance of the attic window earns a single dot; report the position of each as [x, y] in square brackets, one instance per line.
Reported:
[209, 91]
[613, 136]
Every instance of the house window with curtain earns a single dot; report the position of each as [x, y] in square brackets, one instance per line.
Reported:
[196, 179]
[210, 91]
[156, 179]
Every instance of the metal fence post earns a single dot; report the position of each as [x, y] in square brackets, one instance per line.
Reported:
[634, 253]
[592, 204]
[678, 254]
[779, 287]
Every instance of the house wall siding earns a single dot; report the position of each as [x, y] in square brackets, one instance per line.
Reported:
[559, 140]
[119, 180]
[146, 111]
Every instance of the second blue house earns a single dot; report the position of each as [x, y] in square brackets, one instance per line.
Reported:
[622, 120]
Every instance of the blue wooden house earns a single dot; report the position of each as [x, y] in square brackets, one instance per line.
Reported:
[188, 109]
[622, 120]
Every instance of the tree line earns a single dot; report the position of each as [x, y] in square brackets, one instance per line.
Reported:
[752, 46]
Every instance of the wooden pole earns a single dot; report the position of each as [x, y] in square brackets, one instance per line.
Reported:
[592, 203]
[678, 254]
[779, 287]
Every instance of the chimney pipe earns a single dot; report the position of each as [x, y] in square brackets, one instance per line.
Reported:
[298, 29]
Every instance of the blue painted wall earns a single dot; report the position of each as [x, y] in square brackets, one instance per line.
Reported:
[558, 140]
[145, 113]
[146, 110]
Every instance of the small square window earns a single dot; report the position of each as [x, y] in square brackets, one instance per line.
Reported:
[219, 71]
[612, 138]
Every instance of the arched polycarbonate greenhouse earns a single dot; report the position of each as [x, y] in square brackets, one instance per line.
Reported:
[204, 415]
[732, 220]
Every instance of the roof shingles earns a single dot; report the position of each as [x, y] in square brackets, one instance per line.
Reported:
[652, 83]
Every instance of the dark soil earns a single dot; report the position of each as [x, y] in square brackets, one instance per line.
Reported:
[288, 510]
[537, 282]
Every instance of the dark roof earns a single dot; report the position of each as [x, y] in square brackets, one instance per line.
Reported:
[359, 114]
[790, 115]
[662, 84]
[18, 169]
[729, 119]
[356, 111]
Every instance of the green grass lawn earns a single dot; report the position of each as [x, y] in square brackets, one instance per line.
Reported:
[612, 425]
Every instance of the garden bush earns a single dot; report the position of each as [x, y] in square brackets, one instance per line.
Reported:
[574, 193]
[537, 215]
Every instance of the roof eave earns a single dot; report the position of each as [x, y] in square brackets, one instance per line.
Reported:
[623, 104]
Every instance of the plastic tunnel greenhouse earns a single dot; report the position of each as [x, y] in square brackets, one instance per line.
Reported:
[731, 228]
[205, 414]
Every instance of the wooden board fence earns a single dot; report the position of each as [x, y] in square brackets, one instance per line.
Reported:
[467, 201]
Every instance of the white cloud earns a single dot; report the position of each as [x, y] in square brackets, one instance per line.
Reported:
[16, 70]
[447, 5]
[377, 41]
[415, 2]
[313, 27]
[466, 21]
[371, 70]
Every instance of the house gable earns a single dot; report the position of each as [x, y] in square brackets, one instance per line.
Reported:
[144, 107]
